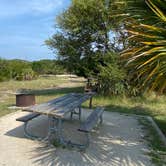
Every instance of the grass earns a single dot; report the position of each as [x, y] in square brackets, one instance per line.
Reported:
[40, 83]
[45, 89]
[148, 104]
[158, 150]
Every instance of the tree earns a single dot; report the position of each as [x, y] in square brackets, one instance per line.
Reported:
[83, 40]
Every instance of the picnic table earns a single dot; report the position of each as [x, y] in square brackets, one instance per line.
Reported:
[56, 110]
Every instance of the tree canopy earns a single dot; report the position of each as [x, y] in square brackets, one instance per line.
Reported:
[83, 39]
[91, 34]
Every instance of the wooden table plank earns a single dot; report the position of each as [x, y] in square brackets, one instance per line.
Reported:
[70, 106]
[48, 106]
[60, 106]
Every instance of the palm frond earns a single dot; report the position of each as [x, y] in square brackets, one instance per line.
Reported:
[146, 58]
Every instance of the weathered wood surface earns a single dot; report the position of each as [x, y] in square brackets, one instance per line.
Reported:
[28, 117]
[92, 120]
[60, 106]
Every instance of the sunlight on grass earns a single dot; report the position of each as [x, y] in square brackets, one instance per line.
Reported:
[40, 83]
[147, 104]
[45, 89]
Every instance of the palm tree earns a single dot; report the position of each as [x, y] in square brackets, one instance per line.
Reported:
[146, 55]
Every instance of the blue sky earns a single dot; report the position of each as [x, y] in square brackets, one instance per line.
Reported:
[25, 25]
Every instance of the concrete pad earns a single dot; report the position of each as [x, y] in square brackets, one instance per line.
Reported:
[117, 142]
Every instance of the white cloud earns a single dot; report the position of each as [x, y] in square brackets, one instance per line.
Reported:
[10, 8]
[45, 5]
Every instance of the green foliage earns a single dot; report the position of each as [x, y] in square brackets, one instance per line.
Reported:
[16, 69]
[24, 70]
[4, 70]
[48, 67]
[83, 42]
[146, 56]
[111, 77]
[83, 29]
[20, 70]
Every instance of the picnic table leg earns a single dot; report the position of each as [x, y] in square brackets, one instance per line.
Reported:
[51, 128]
[90, 102]
[59, 132]
[75, 112]
[101, 119]
[71, 115]
[80, 112]
[28, 134]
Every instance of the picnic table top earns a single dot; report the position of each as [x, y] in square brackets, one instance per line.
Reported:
[58, 107]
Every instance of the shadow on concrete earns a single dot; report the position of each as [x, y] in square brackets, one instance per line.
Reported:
[111, 144]
[37, 126]
[102, 151]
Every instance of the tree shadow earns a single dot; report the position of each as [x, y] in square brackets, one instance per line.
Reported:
[139, 110]
[57, 91]
[38, 127]
[105, 149]
[114, 143]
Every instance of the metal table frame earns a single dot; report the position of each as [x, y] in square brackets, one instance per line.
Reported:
[56, 115]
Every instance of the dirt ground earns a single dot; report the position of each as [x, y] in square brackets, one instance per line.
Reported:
[117, 142]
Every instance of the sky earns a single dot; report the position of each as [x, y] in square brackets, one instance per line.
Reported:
[25, 25]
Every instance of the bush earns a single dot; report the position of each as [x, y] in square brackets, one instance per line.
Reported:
[21, 70]
[16, 69]
[4, 70]
[110, 80]
[47, 67]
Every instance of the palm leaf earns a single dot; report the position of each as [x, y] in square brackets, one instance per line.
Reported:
[146, 58]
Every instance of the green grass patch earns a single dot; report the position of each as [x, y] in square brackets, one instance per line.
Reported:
[4, 107]
[45, 89]
[150, 105]
[158, 152]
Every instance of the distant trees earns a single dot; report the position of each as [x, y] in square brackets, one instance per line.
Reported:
[24, 70]
[48, 67]
[15, 69]
[20, 70]
[4, 70]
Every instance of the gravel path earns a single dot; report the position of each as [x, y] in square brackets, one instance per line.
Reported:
[118, 142]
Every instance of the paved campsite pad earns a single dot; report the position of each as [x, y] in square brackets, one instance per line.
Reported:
[118, 142]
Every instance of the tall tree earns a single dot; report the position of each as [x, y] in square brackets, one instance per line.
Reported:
[83, 41]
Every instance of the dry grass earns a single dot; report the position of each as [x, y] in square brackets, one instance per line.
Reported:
[46, 88]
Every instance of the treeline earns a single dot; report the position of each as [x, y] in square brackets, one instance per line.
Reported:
[25, 70]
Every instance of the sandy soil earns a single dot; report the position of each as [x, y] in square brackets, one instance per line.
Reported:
[117, 142]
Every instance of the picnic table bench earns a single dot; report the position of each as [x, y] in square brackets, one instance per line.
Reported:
[56, 110]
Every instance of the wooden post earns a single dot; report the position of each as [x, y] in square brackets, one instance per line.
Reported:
[90, 102]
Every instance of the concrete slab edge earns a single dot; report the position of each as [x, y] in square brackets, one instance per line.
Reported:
[155, 126]
[162, 136]
[12, 113]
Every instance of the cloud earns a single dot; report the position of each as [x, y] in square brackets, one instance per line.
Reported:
[45, 5]
[10, 8]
